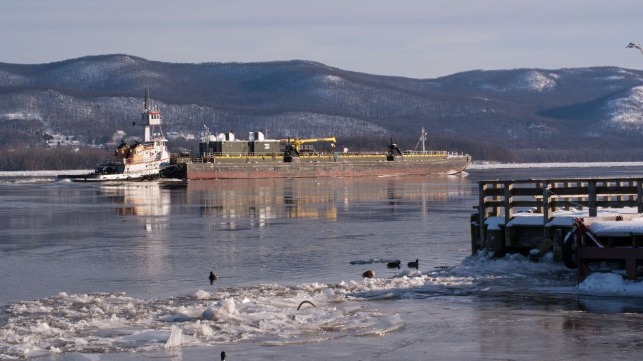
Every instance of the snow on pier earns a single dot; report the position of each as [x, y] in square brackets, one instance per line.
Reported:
[583, 221]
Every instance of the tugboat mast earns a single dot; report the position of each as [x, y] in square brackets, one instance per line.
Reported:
[151, 122]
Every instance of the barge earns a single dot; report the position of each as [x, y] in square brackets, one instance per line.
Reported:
[223, 157]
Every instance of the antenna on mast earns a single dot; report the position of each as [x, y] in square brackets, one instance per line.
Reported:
[422, 140]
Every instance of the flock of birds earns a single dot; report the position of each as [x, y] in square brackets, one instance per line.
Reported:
[367, 274]
[394, 264]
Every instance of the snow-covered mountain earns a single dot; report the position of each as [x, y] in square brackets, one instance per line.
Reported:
[522, 114]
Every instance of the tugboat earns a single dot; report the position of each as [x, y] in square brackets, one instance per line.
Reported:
[137, 161]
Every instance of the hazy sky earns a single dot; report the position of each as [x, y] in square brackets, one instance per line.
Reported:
[414, 38]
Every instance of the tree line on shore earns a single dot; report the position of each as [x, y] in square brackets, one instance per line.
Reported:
[40, 158]
[26, 158]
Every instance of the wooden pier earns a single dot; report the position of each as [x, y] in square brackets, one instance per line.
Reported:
[538, 215]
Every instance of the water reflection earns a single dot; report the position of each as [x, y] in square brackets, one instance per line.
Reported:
[610, 304]
[138, 199]
[147, 203]
[263, 200]
[272, 227]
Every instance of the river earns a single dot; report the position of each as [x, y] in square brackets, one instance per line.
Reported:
[120, 272]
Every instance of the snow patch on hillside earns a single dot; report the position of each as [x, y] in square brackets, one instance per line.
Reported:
[333, 79]
[612, 78]
[7, 78]
[91, 70]
[538, 81]
[626, 112]
[144, 75]
[20, 116]
[530, 81]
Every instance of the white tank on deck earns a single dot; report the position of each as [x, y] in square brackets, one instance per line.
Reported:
[256, 136]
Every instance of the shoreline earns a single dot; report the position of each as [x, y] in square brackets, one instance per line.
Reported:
[474, 165]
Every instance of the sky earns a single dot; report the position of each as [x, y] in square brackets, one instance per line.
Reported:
[410, 38]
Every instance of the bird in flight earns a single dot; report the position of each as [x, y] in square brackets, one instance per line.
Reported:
[634, 46]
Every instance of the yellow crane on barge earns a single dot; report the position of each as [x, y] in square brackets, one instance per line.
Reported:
[297, 142]
[291, 153]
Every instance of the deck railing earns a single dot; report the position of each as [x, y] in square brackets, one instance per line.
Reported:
[497, 198]
[505, 198]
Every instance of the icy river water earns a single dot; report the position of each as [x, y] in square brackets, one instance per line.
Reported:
[120, 272]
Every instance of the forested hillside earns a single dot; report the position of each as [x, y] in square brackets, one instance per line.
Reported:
[507, 115]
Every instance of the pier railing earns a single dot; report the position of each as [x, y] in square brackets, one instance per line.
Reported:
[523, 215]
[506, 198]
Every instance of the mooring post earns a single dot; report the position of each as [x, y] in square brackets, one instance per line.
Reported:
[482, 213]
[545, 190]
[639, 195]
[508, 209]
[582, 271]
[591, 190]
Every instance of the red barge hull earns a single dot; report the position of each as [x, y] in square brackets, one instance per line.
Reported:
[304, 169]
